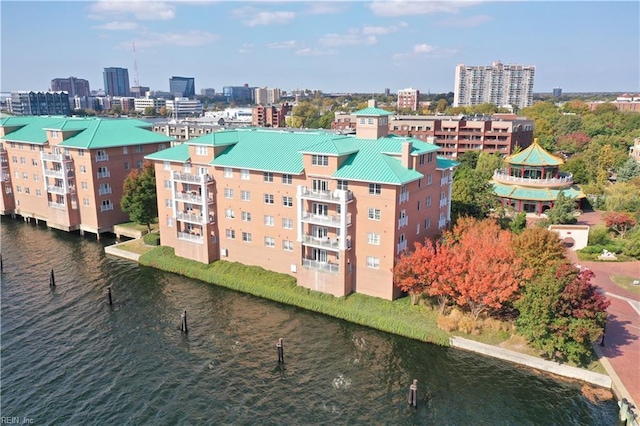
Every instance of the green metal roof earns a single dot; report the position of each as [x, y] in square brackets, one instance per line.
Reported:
[222, 138]
[373, 111]
[445, 163]
[32, 129]
[535, 194]
[333, 146]
[534, 155]
[178, 153]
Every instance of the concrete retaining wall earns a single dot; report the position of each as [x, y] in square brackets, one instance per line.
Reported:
[115, 251]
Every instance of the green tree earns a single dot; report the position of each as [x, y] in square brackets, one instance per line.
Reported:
[469, 160]
[540, 248]
[629, 170]
[622, 197]
[149, 111]
[487, 164]
[562, 211]
[139, 195]
[519, 223]
[471, 195]
[163, 112]
[442, 105]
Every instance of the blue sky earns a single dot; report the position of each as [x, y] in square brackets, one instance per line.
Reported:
[333, 46]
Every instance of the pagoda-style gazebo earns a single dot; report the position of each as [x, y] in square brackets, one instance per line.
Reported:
[532, 181]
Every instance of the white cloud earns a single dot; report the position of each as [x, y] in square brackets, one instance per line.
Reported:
[472, 21]
[383, 30]
[349, 39]
[117, 26]
[246, 48]
[187, 39]
[289, 44]
[324, 8]
[412, 8]
[426, 50]
[142, 10]
[269, 18]
[308, 51]
[423, 48]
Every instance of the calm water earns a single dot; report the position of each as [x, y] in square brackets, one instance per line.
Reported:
[68, 358]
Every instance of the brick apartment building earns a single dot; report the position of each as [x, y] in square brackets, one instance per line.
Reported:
[269, 116]
[408, 98]
[332, 210]
[500, 133]
[69, 172]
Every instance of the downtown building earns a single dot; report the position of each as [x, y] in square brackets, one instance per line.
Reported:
[72, 85]
[507, 86]
[409, 98]
[266, 96]
[182, 87]
[39, 103]
[69, 172]
[116, 82]
[334, 211]
[270, 116]
[454, 135]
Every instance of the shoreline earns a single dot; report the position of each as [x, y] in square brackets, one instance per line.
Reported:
[551, 367]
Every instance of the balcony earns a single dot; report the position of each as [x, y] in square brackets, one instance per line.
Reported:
[188, 197]
[403, 198]
[326, 242]
[403, 221]
[104, 191]
[6, 177]
[401, 247]
[188, 177]
[195, 238]
[103, 157]
[333, 220]
[4, 163]
[331, 268]
[104, 175]
[60, 206]
[503, 177]
[339, 195]
[443, 202]
[54, 189]
[190, 217]
[54, 173]
[47, 156]
[106, 207]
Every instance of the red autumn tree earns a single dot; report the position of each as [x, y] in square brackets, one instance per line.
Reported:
[580, 298]
[413, 271]
[446, 269]
[487, 270]
[620, 222]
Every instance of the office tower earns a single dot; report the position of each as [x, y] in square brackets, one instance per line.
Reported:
[182, 87]
[501, 85]
[39, 103]
[557, 92]
[208, 92]
[73, 86]
[116, 81]
[408, 98]
[266, 96]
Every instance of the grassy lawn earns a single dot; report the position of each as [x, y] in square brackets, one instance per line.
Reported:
[626, 283]
[136, 246]
[137, 227]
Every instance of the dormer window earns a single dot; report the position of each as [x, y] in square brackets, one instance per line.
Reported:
[320, 160]
[55, 134]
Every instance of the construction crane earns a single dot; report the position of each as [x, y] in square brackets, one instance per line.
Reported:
[136, 80]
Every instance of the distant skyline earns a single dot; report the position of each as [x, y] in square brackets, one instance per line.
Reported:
[332, 46]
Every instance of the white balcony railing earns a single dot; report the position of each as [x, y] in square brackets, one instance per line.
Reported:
[104, 191]
[103, 175]
[188, 177]
[54, 157]
[55, 205]
[190, 237]
[104, 157]
[6, 177]
[54, 173]
[55, 189]
[332, 268]
[443, 202]
[442, 223]
[187, 196]
[565, 179]
[190, 217]
[106, 207]
[404, 197]
[401, 247]
[403, 221]
[336, 196]
[324, 219]
[326, 242]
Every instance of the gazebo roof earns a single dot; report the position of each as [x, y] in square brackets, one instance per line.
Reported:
[534, 155]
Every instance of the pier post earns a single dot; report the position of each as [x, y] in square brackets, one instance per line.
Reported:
[280, 348]
[183, 319]
[1, 265]
[413, 394]
[624, 408]
[108, 293]
[52, 279]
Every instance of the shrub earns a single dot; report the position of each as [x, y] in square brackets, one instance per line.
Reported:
[448, 323]
[151, 239]
[599, 235]
[468, 325]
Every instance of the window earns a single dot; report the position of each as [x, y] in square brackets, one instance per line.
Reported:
[229, 214]
[417, 229]
[23, 160]
[244, 174]
[166, 165]
[343, 184]
[167, 184]
[246, 237]
[418, 205]
[139, 149]
[101, 155]
[420, 183]
[375, 189]
[370, 120]
[186, 168]
[230, 233]
[14, 159]
[430, 157]
[18, 188]
[373, 262]
[202, 150]
[34, 162]
[245, 195]
[429, 179]
[27, 190]
[287, 201]
[103, 172]
[269, 242]
[25, 175]
[287, 179]
[268, 198]
[16, 174]
[139, 164]
[170, 221]
[268, 220]
[246, 216]
[320, 160]
[54, 134]
[287, 245]
[421, 160]
[84, 185]
[38, 193]
[228, 193]
[83, 169]
[228, 172]
[374, 214]
[106, 205]
[126, 165]
[268, 177]
[168, 202]
[427, 223]
[287, 223]
[427, 202]
[85, 201]
[125, 150]
[361, 120]
[81, 153]
[373, 238]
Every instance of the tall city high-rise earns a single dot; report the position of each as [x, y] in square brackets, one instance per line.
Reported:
[498, 84]
[408, 98]
[182, 87]
[73, 86]
[116, 81]
[266, 95]
[557, 92]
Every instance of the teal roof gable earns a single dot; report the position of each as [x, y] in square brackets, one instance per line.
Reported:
[373, 111]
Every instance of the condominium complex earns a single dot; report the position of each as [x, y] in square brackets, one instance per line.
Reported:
[269, 116]
[500, 133]
[332, 210]
[182, 87]
[408, 98]
[39, 103]
[72, 85]
[266, 96]
[69, 172]
[501, 85]
[116, 81]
